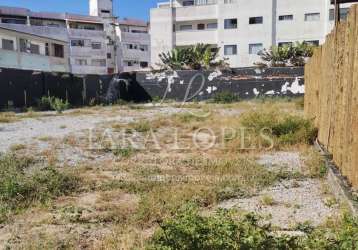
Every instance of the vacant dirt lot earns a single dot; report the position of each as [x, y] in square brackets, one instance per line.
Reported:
[138, 164]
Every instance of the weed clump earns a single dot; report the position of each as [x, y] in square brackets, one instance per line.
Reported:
[20, 187]
[225, 98]
[59, 105]
[286, 129]
[188, 229]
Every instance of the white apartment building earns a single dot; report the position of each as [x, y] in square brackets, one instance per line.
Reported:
[240, 28]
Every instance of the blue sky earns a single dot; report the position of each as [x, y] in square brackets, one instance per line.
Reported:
[123, 8]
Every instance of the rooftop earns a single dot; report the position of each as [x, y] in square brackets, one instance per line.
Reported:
[15, 11]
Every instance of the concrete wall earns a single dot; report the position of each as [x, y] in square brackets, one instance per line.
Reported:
[331, 97]
[245, 83]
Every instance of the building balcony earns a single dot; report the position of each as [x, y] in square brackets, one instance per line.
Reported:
[86, 33]
[136, 54]
[190, 37]
[27, 61]
[196, 12]
[144, 38]
[87, 52]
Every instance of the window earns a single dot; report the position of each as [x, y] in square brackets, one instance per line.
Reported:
[130, 63]
[281, 44]
[140, 31]
[143, 64]
[47, 49]
[230, 23]
[77, 43]
[8, 44]
[256, 20]
[313, 43]
[343, 14]
[98, 62]
[34, 48]
[312, 17]
[201, 26]
[212, 26]
[96, 45]
[59, 50]
[285, 18]
[13, 20]
[106, 11]
[81, 62]
[230, 50]
[143, 47]
[132, 46]
[255, 48]
[109, 55]
[188, 3]
[24, 45]
[86, 27]
[186, 27]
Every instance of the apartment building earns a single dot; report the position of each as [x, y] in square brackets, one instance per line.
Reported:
[22, 49]
[239, 28]
[85, 37]
[134, 44]
[130, 37]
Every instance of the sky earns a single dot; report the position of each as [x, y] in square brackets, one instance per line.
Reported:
[123, 8]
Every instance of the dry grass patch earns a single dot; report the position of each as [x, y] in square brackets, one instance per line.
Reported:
[314, 163]
[8, 117]
[17, 147]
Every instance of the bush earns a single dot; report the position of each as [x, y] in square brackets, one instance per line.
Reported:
[194, 57]
[189, 230]
[288, 55]
[20, 187]
[59, 105]
[341, 237]
[44, 103]
[225, 97]
[287, 129]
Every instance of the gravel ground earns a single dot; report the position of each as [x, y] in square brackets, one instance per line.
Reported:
[289, 161]
[26, 131]
[294, 202]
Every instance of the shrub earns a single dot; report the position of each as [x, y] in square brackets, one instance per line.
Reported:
[288, 55]
[44, 103]
[189, 230]
[193, 57]
[59, 105]
[286, 129]
[225, 97]
[20, 187]
[341, 237]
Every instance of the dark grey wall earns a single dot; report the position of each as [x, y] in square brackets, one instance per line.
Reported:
[16, 86]
[245, 82]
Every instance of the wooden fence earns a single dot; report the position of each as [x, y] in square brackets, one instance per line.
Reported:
[331, 95]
